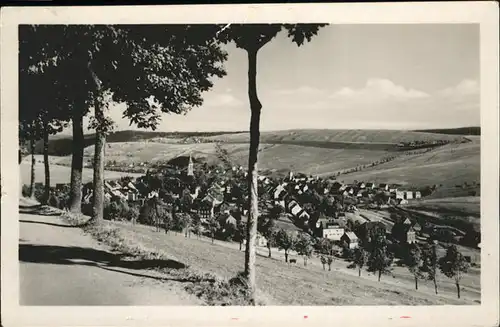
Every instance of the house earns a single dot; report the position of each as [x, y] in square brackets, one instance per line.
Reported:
[205, 210]
[260, 240]
[418, 195]
[228, 221]
[304, 215]
[384, 187]
[400, 194]
[61, 186]
[279, 192]
[410, 236]
[361, 185]
[131, 196]
[153, 194]
[333, 232]
[371, 230]
[322, 222]
[295, 210]
[408, 195]
[404, 231]
[350, 240]
[393, 189]
[370, 185]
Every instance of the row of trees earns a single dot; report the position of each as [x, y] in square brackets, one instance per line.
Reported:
[422, 262]
[150, 68]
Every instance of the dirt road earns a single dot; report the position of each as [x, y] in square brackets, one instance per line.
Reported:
[59, 265]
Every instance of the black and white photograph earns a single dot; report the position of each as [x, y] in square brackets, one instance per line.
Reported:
[251, 162]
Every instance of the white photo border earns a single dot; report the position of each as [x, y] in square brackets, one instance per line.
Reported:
[483, 13]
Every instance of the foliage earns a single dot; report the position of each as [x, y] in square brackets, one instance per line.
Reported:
[285, 241]
[453, 265]
[415, 262]
[431, 264]
[304, 246]
[380, 259]
[213, 226]
[360, 257]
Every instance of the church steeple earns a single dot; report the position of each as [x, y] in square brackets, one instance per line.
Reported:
[190, 169]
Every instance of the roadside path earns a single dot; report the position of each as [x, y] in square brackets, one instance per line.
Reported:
[60, 265]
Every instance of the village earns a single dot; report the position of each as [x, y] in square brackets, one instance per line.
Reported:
[216, 202]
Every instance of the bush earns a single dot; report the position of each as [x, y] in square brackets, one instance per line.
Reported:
[25, 191]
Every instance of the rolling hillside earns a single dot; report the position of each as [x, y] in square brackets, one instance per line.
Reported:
[61, 145]
[310, 160]
[475, 130]
[317, 152]
[382, 139]
[449, 166]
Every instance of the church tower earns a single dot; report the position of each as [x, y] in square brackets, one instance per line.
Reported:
[190, 169]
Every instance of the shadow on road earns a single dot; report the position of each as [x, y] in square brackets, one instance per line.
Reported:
[72, 255]
[37, 209]
[44, 223]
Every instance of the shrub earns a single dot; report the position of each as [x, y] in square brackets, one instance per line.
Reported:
[25, 191]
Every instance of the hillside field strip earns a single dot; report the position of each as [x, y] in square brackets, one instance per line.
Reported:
[299, 285]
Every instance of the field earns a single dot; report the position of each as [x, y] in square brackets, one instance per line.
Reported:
[310, 160]
[347, 136]
[323, 153]
[462, 213]
[299, 285]
[60, 174]
[450, 165]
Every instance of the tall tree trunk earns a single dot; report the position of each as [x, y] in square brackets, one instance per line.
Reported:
[379, 274]
[98, 181]
[416, 283]
[100, 143]
[46, 192]
[33, 163]
[269, 249]
[458, 289]
[75, 194]
[286, 256]
[359, 272]
[435, 286]
[253, 214]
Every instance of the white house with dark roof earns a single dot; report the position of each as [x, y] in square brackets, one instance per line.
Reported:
[370, 185]
[333, 232]
[384, 187]
[350, 240]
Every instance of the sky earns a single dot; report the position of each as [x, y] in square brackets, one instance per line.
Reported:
[348, 77]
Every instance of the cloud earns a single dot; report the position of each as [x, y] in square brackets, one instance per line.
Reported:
[301, 90]
[378, 89]
[466, 87]
[222, 100]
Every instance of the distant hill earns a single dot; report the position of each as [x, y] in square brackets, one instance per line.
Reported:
[474, 130]
[359, 139]
[61, 145]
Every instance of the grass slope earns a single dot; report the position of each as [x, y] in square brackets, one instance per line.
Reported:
[473, 130]
[323, 136]
[309, 160]
[61, 145]
[61, 174]
[449, 165]
[296, 285]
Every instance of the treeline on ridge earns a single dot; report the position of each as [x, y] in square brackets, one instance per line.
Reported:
[473, 130]
[62, 146]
